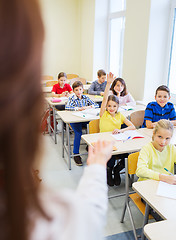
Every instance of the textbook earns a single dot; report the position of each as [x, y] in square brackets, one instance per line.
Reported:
[126, 108]
[127, 135]
[88, 113]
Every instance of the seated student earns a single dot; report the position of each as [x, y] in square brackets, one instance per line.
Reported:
[161, 109]
[158, 154]
[61, 89]
[79, 102]
[119, 89]
[98, 86]
[111, 121]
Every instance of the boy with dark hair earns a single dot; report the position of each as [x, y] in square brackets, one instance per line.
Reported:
[161, 109]
[79, 102]
[98, 86]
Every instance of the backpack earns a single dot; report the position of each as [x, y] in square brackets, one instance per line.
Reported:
[45, 121]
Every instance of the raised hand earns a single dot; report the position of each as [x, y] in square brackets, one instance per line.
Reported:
[101, 153]
[110, 78]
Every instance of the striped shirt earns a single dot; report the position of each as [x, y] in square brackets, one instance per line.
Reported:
[154, 112]
[74, 103]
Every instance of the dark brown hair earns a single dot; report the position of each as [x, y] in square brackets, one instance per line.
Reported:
[77, 84]
[101, 72]
[21, 102]
[124, 92]
[62, 74]
[163, 88]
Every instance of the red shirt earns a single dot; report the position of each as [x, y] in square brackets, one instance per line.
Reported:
[58, 90]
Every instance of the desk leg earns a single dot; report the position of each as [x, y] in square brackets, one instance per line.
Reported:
[68, 139]
[62, 138]
[54, 119]
[146, 217]
[49, 127]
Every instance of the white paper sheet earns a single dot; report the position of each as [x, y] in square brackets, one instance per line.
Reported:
[83, 115]
[127, 135]
[166, 190]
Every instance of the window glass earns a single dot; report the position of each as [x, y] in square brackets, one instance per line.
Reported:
[172, 63]
[116, 45]
[117, 5]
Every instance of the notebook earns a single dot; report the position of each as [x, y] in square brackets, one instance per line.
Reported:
[88, 113]
[166, 190]
[127, 135]
[54, 100]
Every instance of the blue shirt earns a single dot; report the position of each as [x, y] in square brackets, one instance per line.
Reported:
[96, 88]
[74, 102]
[154, 112]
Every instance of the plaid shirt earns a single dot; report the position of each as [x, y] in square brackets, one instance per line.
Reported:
[74, 103]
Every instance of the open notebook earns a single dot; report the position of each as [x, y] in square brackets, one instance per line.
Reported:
[127, 135]
[88, 113]
[166, 190]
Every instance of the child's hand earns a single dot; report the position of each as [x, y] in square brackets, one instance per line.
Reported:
[100, 154]
[116, 131]
[63, 94]
[102, 93]
[81, 108]
[110, 78]
[167, 178]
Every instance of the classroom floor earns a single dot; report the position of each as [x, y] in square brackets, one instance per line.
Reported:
[54, 172]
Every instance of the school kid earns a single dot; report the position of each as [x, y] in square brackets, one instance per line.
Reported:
[61, 89]
[158, 154]
[79, 102]
[159, 109]
[111, 121]
[98, 86]
[119, 89]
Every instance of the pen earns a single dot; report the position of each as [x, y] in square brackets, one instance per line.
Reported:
[168, 171]
[127, 139]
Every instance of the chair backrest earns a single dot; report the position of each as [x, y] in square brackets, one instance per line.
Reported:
[132, 162]
[137, 118]
[51, 83]
[70, 76]
[47, 77]
[83, 80]
[94, 126]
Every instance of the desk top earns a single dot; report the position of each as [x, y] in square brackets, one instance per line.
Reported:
[132, 145]
[47, 89]
[160, 230]
[68, 117]
[165, 207]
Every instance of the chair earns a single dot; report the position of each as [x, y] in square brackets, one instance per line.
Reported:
[51, 83]
[47, 77]
[94, 126]
[137, 118]
[83, 80]
[71, 76]
[131, 166]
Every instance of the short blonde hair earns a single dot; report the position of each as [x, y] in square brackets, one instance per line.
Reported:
[165, 124]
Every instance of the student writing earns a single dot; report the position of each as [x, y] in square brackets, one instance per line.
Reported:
[111, 121]
[98, 86]
[161, 109]
[79, 102]
[119, 89]
[158, 154]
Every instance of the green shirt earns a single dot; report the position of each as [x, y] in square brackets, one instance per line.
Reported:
[152, 162]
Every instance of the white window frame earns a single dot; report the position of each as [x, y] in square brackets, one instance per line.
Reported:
[111, 16]
[169, 46]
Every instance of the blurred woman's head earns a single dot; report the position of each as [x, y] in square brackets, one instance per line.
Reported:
[21, 40]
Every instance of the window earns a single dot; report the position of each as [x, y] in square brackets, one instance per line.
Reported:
[116, 36]
[172, 53]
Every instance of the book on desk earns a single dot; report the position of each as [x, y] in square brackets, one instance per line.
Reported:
[88, 113]
[127, 135]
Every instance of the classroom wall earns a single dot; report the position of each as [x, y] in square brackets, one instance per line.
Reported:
[135, 45]
[62, 50]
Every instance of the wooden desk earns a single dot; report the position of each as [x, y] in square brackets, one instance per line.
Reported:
[67, 117]
[132, 145]
[165, 207]
[160, 230]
